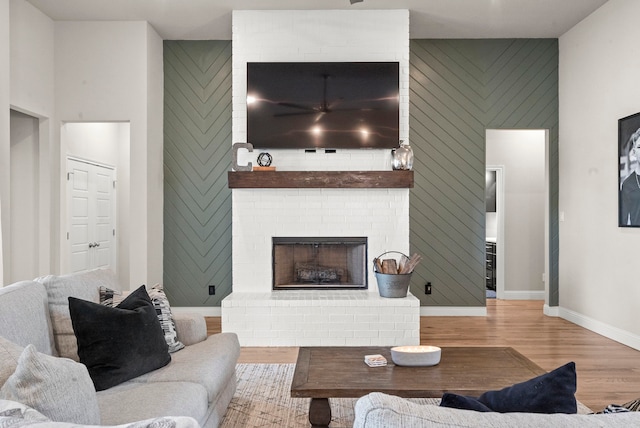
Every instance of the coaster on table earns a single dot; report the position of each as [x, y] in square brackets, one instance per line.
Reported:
[375, 360]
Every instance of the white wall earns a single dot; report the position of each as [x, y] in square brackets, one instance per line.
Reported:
[155, 153]
[599, 63]
[95, 141]
[32, 53]
[31, 91]
[522, 153]
[4, 127]
[86, 71]
[108, 71]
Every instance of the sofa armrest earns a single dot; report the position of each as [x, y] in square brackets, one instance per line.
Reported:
[191, 328]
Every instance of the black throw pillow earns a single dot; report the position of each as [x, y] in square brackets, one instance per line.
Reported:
[552, 392]
[120, 343]
[463, 402]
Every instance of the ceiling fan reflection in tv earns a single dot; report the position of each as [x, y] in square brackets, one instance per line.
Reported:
[323, 108]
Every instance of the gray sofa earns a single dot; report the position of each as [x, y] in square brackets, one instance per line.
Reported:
[194, 389]
[378, 410]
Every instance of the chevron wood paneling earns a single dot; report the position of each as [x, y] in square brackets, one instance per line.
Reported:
[197, 156]
[458, 89]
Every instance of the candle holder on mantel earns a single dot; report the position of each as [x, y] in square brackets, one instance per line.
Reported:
[402, 157]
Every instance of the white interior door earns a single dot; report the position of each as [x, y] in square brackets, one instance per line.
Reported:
[92, 223]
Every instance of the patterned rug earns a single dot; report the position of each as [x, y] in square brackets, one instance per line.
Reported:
[263, 400]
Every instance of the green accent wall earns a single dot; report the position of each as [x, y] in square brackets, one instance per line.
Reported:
[197, 156]
[458, 89]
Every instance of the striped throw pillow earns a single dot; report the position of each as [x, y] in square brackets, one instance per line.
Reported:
[112, 298]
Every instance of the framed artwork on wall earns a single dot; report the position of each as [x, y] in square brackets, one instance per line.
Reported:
[629, 171]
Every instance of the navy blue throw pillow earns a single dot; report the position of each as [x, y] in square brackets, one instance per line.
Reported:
[120, 343]
[552, 392]
[463, 402]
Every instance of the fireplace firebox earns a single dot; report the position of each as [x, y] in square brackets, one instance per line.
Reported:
[319, 263]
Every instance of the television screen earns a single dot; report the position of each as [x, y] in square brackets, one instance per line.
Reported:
[323, 105]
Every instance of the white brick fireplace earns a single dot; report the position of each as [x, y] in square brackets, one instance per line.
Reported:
[332, 317]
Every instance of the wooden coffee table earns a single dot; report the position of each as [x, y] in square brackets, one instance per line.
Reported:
[334, 372]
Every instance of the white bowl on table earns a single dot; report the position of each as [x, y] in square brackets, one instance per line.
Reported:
[416, 355]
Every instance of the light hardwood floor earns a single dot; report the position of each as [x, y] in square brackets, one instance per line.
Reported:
[607, 371]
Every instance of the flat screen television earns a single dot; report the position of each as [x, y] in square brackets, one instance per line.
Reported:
[323, 105]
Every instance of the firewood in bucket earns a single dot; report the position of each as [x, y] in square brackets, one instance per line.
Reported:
[389, 266]
[402, 263]
[410, 265]
[378, 265]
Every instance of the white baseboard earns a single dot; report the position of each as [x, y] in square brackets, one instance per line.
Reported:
[551, 311]
[604, 329]
[453, 311]
[523, 295]
[205, 311]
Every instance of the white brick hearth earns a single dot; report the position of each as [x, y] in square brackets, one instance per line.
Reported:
[260, 316]
[322, 318]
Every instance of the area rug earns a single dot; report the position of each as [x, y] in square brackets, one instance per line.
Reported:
[263, 400]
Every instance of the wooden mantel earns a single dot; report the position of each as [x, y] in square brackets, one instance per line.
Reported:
[320, 179]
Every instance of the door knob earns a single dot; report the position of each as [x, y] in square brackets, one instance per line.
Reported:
[96, 244]
[91, 245]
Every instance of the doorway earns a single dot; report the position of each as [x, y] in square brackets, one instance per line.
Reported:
[92, 215]
[95, 189]
[21, 239]
[521, 228]
[494, 198]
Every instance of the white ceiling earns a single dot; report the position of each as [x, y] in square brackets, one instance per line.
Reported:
[211, 19]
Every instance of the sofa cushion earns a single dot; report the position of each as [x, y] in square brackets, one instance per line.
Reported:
[109, 297]
[377, 410]
[191, 328]
[133, 401]
[9, 356]
[25, 316]
[552, 392]
[16, 415]
[84, 285]
[121, 343]
[59, 388]
[210, 363]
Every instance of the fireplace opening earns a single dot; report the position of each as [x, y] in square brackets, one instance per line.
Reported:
[319, 263]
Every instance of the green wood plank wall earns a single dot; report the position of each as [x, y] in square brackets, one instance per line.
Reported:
[197, 156]
[458, 89]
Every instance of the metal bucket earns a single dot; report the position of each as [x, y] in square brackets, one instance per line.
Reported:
[390, 285]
